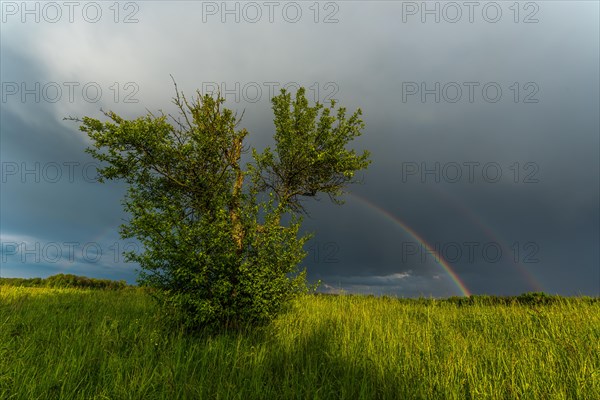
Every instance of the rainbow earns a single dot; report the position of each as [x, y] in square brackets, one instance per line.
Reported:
[438, 257]
[478, 221]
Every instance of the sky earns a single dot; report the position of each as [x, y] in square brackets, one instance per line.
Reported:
[482, 119]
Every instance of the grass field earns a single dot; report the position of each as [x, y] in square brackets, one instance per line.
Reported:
[101, 344]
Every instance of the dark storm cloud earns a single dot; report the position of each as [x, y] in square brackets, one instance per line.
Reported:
[55, 216]
[541, 134]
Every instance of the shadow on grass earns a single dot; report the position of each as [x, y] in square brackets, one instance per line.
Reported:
[316, 363]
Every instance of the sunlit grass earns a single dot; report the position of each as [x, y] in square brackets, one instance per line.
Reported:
[72, 343]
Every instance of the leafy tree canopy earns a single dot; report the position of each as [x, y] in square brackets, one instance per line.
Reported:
[215, 244]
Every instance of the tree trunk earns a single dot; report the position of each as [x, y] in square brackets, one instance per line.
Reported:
[234, 209]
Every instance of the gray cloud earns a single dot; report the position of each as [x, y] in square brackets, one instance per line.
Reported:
[370, 59]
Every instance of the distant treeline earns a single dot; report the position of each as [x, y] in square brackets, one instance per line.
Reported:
[65, 281]
[531, 298]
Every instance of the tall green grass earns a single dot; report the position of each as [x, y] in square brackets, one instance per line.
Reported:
[86, 344]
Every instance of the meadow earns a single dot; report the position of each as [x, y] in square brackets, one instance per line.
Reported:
[110, 344]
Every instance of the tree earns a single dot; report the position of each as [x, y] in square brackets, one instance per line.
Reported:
[221, 241]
